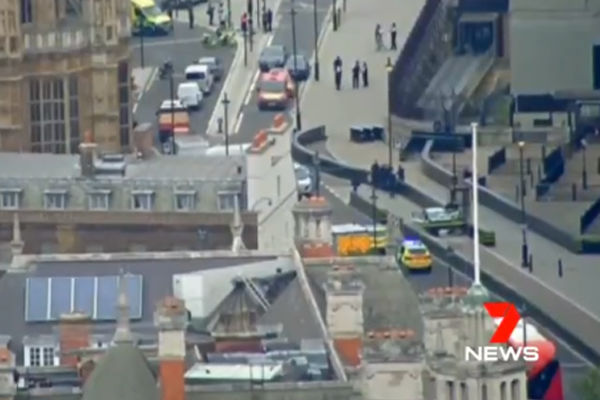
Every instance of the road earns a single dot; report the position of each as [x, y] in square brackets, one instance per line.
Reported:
[574, 366]
[182, 49]
[253, 120]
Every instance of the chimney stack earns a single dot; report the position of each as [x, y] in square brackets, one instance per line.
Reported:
[143, 140]
[17, 244]
[87, 156]
[8, 387]
[74, 335]
[171, 319]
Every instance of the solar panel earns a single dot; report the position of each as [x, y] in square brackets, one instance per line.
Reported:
[134, 296]
[37, 299]
[60, 297]
[83, 298]
[108, 291]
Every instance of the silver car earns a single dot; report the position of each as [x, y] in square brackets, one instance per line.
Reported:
[304, 180]
[214, 64]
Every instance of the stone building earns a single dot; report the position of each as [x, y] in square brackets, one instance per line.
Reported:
[85, 203]
[53, 56]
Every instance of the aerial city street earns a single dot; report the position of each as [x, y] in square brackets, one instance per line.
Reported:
[300, 199]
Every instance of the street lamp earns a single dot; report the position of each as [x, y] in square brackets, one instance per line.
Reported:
[389, 67]
[374, 216]
[245, 35]
[225, 103]
[448, 108]
[583, 165]
[317, 166]
[229, 14]
[524, 250]
[298, 120]
[335, 21]
[316, 34]
[168, 68]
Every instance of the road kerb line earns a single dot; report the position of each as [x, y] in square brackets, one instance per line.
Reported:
[144, 89]
[238, 123]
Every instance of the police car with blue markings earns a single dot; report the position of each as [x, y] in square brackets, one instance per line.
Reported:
[414, 255]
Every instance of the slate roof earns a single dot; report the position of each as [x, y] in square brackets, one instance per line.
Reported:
[122, 373]
[157, 283]
[66, 166]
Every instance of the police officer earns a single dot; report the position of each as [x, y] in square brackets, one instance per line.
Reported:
[337, 69]
[400, 173]
[190, 9]
[375, 174]
[211, 13]
[355, 75]
[393, 35]
[365, 74]
[269, 20]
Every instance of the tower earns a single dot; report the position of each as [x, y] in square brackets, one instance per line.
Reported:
[312, 227]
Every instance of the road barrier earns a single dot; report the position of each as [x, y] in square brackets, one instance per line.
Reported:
[589, 216]
[496, 160]
[279, 123]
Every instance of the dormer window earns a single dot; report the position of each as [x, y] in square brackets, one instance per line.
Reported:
[142, 200]
[10, 199]
[99, 200]
[55, 199]
[185, 200]
[227, 200]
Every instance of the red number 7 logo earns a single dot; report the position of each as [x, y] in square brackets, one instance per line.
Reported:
[510, 318]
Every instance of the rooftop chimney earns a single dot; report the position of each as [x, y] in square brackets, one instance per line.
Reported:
[17, 244]
[143, 140]
[87, 155]
[171, 318]
[74, 335]
[122, 332]
[237, 227]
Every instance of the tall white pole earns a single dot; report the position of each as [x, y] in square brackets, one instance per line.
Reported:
[475, 186]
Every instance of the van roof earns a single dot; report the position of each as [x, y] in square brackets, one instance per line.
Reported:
[144, 3]
[189, 84]
[276, 74]
[196, 68]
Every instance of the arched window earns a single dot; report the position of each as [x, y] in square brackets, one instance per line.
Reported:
[484, 392]
[464, 391]
[515, 389]
[503, 394]
[451, 394]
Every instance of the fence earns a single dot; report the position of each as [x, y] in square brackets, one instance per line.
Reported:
[566, 192]
[512, 166]
[406, 62]
[496, 160]
[554, 168]
[589, 216]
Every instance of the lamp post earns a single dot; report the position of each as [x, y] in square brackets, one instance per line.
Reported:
[316, 34]
[448, 109]
[524, 250]
[168, 67]
[297, 100]
[229, 14]
[583, 165]
[389, 67]
[225, 103]
[374, 216]
[245, 35]
[334, 19]
[317, 166]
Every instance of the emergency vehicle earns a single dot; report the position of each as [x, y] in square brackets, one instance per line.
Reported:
[414, 255]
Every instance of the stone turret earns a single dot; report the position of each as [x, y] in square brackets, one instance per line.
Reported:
[312, 232]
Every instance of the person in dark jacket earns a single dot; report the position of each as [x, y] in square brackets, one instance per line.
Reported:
[356, 75]
[191, 15]
[337, 70]
[210, 11]
[393, 36]
[269, 20]
[365, 74]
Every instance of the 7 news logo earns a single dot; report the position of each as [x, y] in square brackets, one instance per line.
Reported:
[510, 319]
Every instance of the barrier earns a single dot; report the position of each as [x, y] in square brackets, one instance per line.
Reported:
[279, 123]
[589, 216]
[506, 208]
[565, 318]
[496, 160]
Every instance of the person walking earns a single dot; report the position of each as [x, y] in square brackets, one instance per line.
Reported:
[337, 69]
[356, 75]
[190, 9]
[264, 20]
[211, 13]
[378, 38]
[365, 74]
[269, 20]
[393, 36]
[221, 14]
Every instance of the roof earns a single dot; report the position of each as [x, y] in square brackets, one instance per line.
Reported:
[196, 68]
[66, 166]
[122, 373]
[157, 280]
[235, 372]
[413, 244]
[384, 288]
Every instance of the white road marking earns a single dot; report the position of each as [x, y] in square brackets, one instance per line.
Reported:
[238, 124]
[251, 88]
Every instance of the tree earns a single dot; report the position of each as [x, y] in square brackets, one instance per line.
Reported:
[588, 387]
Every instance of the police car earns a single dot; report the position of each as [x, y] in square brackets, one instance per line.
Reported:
[414, 255]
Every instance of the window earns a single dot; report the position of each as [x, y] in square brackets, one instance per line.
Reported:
[10, 199]
[503, 393]
[48, 356]
[26, 12]
[142, 200]
[35, 359]
[47, 115]
[99, 200]
[596, 66]
[450, 390]
[515, 390]
[484, 392]
[75, 136]
[318, 227]
[227, 201]
[55, 199]
[464, 391]
[185, 200]
[124, 109]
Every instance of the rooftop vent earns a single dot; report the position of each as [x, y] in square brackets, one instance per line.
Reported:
[112, 164]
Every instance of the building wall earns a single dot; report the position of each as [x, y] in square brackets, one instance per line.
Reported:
[508, 386]
[291, 391]
[552, 45]
[393, 381]
[46, 43]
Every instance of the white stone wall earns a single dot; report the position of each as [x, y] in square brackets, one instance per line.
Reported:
[344, 314]
[392, 381]
[511, 386]
[450, 329]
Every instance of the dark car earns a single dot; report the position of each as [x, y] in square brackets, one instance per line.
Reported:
[214, 64]
[272, 57]
[302, 67]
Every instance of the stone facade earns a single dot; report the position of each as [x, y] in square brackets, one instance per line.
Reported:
[53, 56]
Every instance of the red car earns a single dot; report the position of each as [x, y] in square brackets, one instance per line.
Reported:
[275, 88]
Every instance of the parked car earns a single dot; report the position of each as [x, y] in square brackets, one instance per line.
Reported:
[214, 64]
[190, 95]
[298, 67]
[275, 88]
[200, 74]
[272, 57]
[304, 180]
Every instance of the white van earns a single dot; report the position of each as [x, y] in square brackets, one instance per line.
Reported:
[234, 150]
[190, 95]
[202, 75]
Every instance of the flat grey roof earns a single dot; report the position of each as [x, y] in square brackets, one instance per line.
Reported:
[66, 166]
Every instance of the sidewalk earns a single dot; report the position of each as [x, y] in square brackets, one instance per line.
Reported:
[142, 80]
[322, 104]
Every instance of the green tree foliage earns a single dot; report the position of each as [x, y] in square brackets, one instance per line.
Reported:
[588, 387]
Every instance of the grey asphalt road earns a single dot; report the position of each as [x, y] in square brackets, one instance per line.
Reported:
[573, 367]
[182, 48]
[253, 119]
